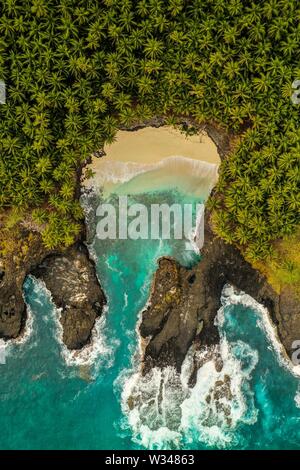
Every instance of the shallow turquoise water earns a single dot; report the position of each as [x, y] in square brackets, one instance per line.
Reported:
[47, 404]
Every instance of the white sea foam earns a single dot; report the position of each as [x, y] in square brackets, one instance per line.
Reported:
[28, 329]
[220, 400]
[196, 237]
[196, 175]
[125, 300]
[297, 399]
[162, 409]
[117, 172]
[150, 403]
[232, 297]
[96, 349]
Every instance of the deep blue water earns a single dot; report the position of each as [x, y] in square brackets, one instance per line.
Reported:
[48, 403]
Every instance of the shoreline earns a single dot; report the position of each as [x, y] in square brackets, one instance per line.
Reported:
[152, 144]
[164, 151]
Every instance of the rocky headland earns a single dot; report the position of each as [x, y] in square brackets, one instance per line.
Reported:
[69, 275]
[71, 278]
[184, 302]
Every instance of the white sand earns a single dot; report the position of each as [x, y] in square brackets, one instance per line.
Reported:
[150, 145]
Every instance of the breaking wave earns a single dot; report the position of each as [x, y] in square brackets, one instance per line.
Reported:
[164, 410]
[230, 296]
[196, 177]
[96, 353]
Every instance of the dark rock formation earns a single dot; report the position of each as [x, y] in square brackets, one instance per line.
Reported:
[12, 313]
[12, 306]
[183, 303]
[72, 280]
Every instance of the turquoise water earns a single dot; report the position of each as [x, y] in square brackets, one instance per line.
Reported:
[47, 402]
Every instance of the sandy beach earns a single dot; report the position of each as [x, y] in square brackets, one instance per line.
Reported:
[150, 145]
[155, 157]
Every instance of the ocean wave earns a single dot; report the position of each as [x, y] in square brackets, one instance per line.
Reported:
[28, 329]
[297, 399]
[150, 405]
[119, 173]
[96, 353]
[221, 399]
[230, 296]
[196, 237]
[162, 410]
[125, 300]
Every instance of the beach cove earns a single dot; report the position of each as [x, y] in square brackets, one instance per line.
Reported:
[162, 409]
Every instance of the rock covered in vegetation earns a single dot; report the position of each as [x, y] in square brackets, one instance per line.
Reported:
[72, 280]
[184, 302]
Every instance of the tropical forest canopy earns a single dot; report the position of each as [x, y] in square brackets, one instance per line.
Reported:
[75, 70]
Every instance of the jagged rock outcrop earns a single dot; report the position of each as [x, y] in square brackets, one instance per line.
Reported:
[184, 302]
[12, 306]
[72, 280]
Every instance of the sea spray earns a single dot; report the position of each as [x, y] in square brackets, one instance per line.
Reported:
[97, 347]
[161, 403]
[230, 296]
[7, 347]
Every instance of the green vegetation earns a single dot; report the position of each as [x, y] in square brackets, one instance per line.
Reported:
[283, 269]
[76, 70]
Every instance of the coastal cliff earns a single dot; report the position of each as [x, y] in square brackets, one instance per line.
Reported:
[70, 276]
[13, 272]
[55, 266]
[184, 302]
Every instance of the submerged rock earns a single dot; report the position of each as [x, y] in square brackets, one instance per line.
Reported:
[71, 278]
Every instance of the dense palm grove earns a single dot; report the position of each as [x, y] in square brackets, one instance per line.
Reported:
[75, 70]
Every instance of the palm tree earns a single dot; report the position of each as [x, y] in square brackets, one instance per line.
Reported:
[43, 166]
[145, 85]
[153, 48]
